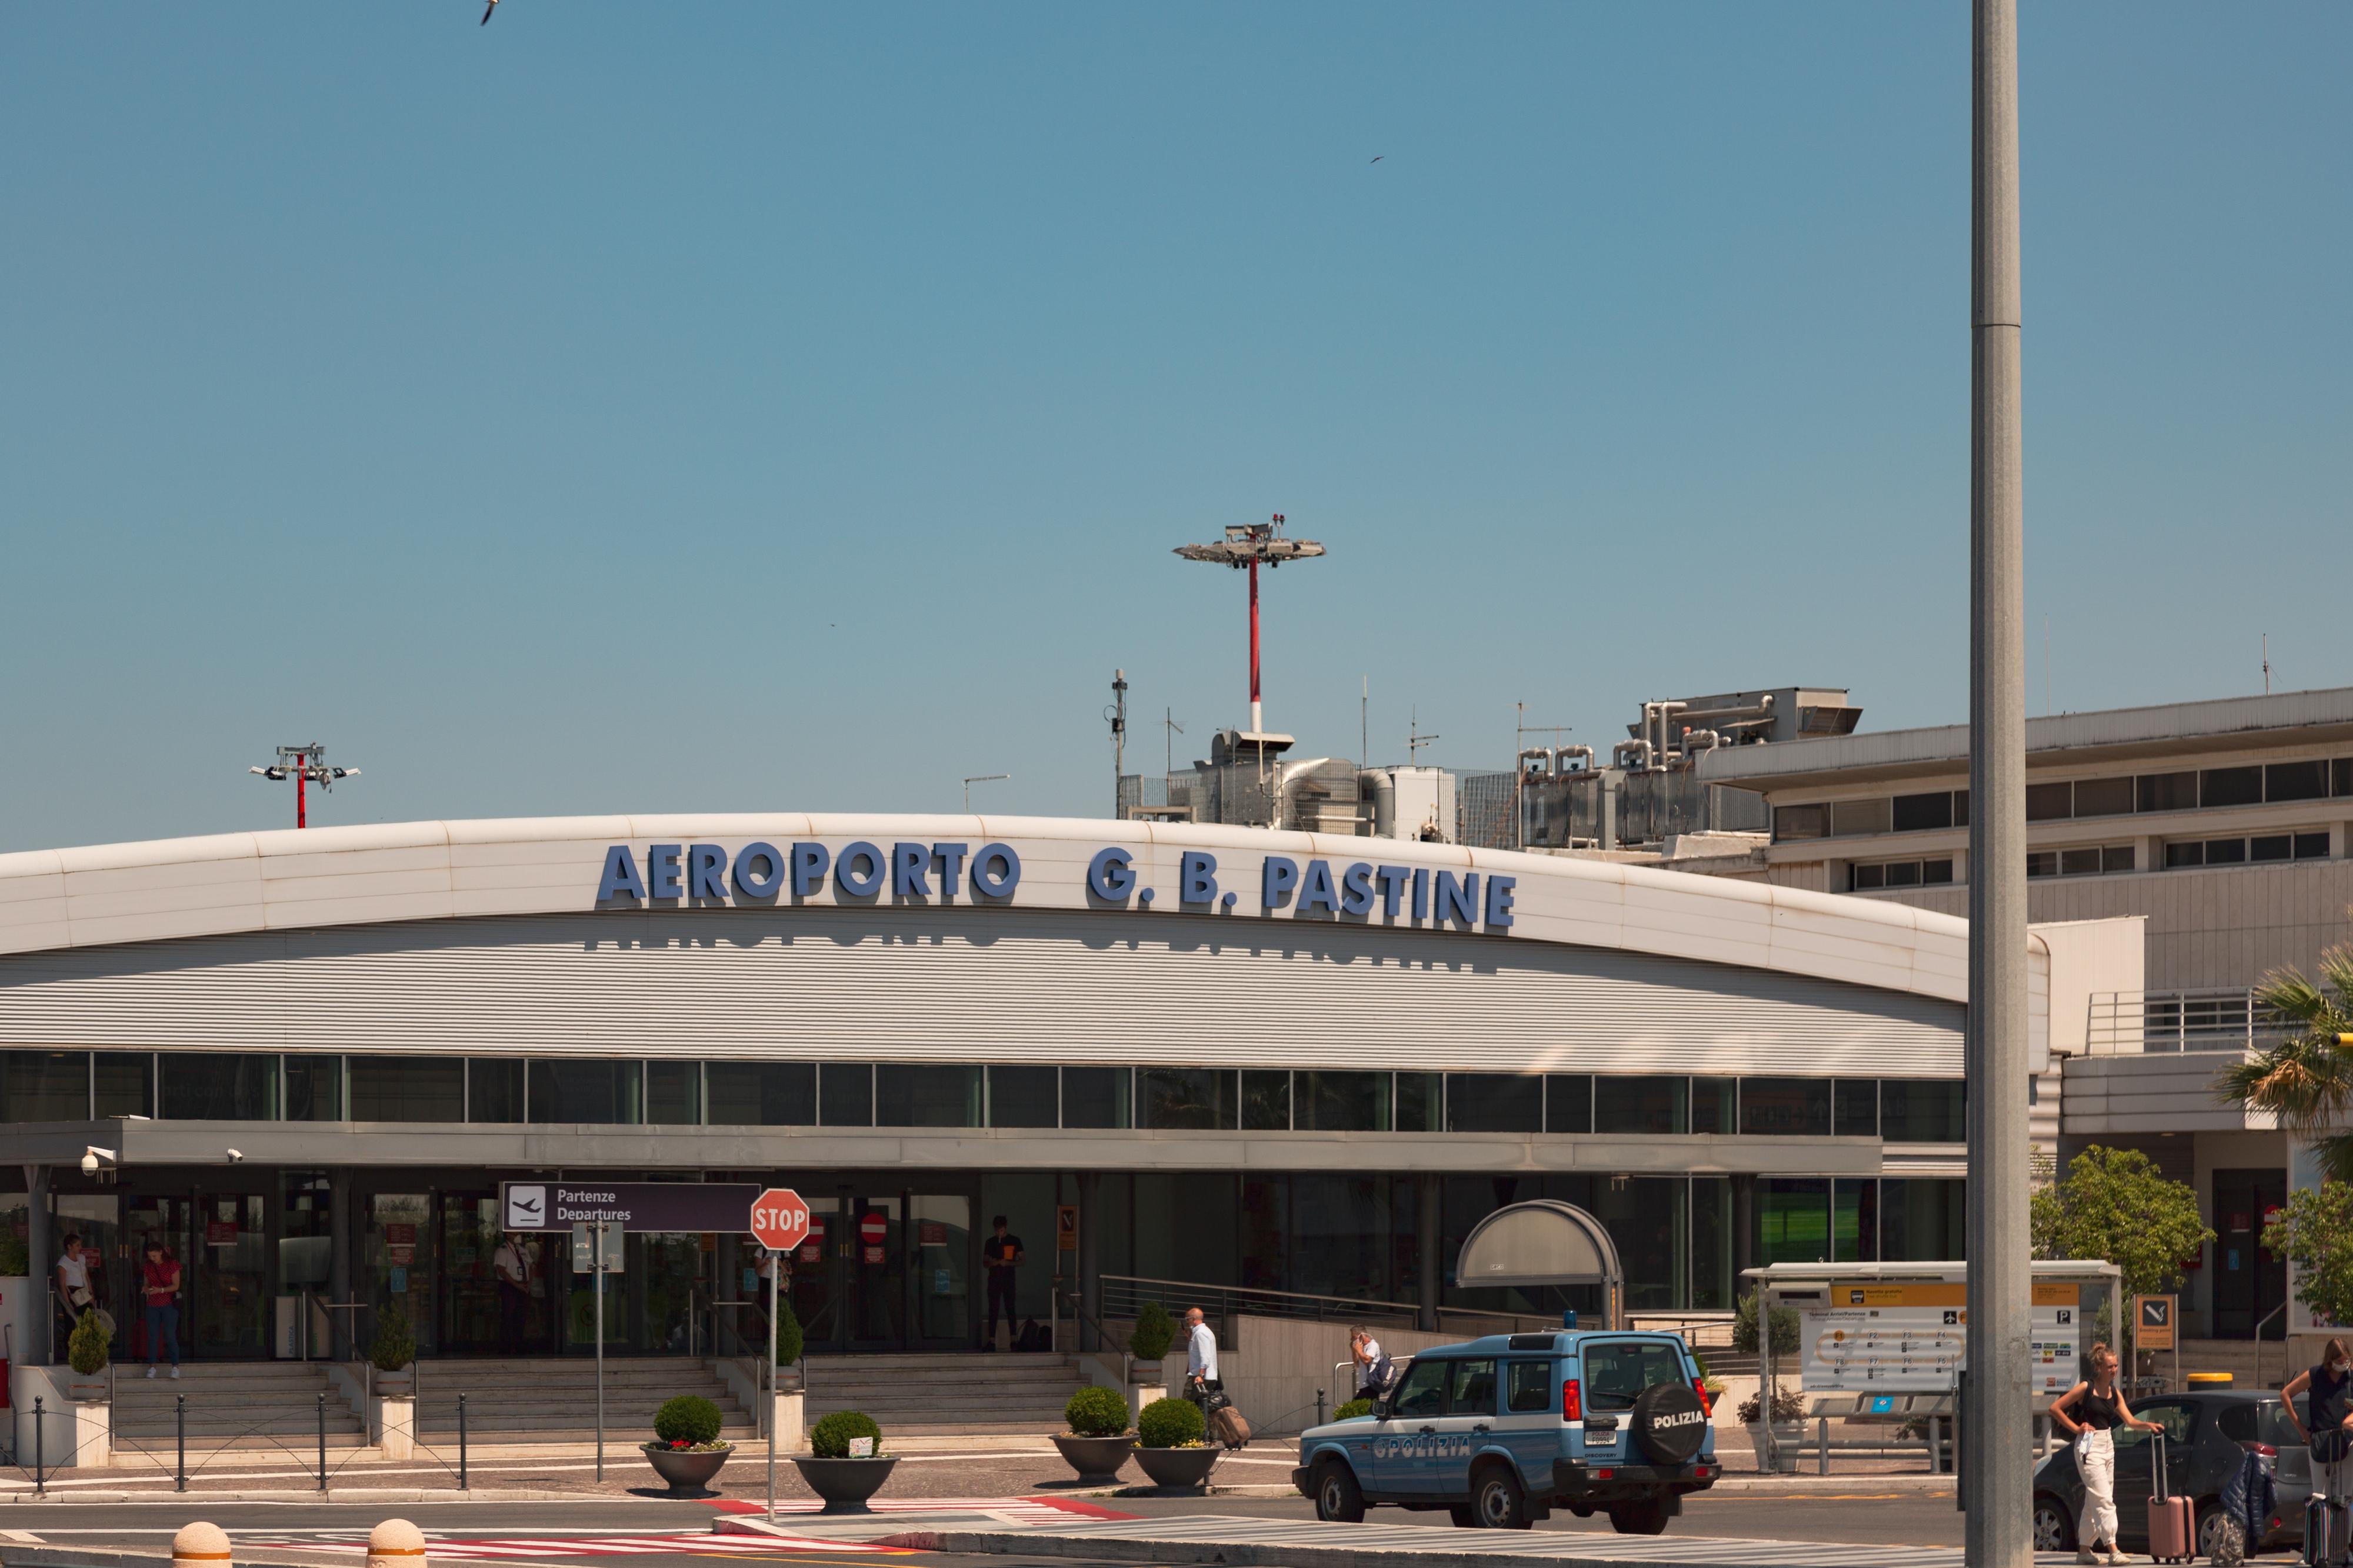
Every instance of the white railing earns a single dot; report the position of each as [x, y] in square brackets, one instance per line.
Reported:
[2221, 1019]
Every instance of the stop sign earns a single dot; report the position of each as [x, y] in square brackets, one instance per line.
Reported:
[871, 1229]
[779, 1219]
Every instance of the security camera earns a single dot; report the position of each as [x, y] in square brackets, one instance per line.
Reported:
[89, 1163]
[235, 1155]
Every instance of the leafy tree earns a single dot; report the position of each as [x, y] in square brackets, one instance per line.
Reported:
[2307, 1080]
[2315, 1231]
[1744, 1327]
[2114, 1204]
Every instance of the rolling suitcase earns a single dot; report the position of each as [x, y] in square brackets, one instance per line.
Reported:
[2328, 1522]
[2172, 1523]
[1227, 1424]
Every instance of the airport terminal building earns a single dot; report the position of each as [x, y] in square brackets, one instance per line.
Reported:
[1222, 1056]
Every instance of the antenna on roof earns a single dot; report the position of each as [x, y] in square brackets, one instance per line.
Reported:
[302, 765]
[2267, 664]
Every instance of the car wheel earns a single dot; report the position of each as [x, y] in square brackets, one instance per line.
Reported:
[2221, 1539]
[1338, 1499]
[1497, 1501]
[1647, 1517]
[2054, 1528]
[1464, 1516]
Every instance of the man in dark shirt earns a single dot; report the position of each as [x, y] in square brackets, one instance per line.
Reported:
[1000, 1253]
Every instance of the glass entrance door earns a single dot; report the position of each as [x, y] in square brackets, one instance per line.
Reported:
[469, 1233]
[942, 1225]
[815, 1281]
[161, 1219]
[232, 1298]
[878, 1269]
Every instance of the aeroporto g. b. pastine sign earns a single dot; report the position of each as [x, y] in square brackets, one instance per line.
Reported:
[859, 873]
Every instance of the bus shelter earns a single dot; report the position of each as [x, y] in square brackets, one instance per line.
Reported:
[1887, 1341]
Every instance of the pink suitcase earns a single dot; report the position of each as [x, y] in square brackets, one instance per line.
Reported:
[2172, 1522]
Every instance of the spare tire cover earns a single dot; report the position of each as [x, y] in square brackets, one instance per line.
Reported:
[1669, 1423]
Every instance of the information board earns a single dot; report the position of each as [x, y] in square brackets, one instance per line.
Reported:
[1866, 1338]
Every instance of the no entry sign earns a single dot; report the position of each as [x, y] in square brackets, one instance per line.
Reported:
[779, 1219]
[873, 1228]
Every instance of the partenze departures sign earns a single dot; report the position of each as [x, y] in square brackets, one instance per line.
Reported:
[760, 875]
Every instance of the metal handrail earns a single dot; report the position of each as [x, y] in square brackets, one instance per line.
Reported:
[2212, 1018]
[2287, 1348]
[1225, 1301]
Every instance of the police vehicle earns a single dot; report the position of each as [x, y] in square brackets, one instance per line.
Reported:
[1500, 1431]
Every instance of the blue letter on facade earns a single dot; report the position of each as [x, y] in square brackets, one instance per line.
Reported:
[1318, 890]
[1356, 889]
[996, 871]
[858, 884]
[908, 864]
[1197, 878]
[1110, 875]
[620, 875]
[809, 861]
[1421, 892]
[661, 870]
[759, 870]
[1393, 881]
[951, 858]
[1458, 901]
[1281, 875]
[1499, 902]
[706, 871]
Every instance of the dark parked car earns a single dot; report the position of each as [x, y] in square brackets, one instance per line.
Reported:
[2206, 1436]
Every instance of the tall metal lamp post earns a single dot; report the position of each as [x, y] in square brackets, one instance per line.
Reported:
[1245, 547]
[1998, 1420]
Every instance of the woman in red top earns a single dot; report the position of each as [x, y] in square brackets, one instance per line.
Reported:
[158, 1283]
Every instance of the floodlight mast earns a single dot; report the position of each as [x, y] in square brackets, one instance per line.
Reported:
[1246, 546]
[305, 766]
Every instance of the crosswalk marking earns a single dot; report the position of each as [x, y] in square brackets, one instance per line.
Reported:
[695, 1542]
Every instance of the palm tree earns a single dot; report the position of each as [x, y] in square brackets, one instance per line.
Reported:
[2305, 1080]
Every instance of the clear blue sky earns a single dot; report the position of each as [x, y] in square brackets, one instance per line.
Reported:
[743, 406]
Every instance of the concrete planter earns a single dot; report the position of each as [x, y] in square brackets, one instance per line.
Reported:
[395, 1384]
[91, 1390]
[392, 1423]
[1179, 1466]
[1095, 1459]
[685, 1469]
[845, 1484]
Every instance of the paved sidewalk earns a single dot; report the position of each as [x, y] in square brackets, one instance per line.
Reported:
[1260, 1542]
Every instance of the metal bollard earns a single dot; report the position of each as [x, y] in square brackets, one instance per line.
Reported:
[180, 1442]
[396, 1543]
[200, 1544]
[40, 1487]
[1319, 1407]
[461, 1443]
[323, 1442]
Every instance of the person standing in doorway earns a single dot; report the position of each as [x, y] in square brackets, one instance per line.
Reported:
[158, 1289]
[514, 1293]
[1200, 1358]
[75, 1295]
[1002, 1254]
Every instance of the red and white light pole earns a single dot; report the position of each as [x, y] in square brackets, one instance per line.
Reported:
[1245, 547]
[301, 765]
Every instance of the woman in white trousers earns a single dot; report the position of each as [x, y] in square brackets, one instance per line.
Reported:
[2090, 1412]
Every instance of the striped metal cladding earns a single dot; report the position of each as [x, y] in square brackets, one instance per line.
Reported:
[957, 984]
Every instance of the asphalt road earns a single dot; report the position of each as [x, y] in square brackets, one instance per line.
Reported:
[1859, 1516]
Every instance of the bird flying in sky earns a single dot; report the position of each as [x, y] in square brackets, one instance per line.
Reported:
[487, 10]
[1376, 160]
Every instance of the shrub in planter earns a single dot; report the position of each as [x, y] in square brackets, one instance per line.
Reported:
[1787, 1407]
[1170, 1423]
[86, 1350]
[1096, 1412]
[1355, 1407]
[788, 1335]
[1154, 1332]
[1744, 1327]
[830, 1437]
[395, 1342]
[688, 1420]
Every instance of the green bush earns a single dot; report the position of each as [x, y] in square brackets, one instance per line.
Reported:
[1096, 1412]
[1355, 1407]
[1170, 1423]
[1154, 1332]
[690, 1416]
[830, 1438]
[788, 1335]
[1744, 1327]
[395, 1342]
[86, 1350]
